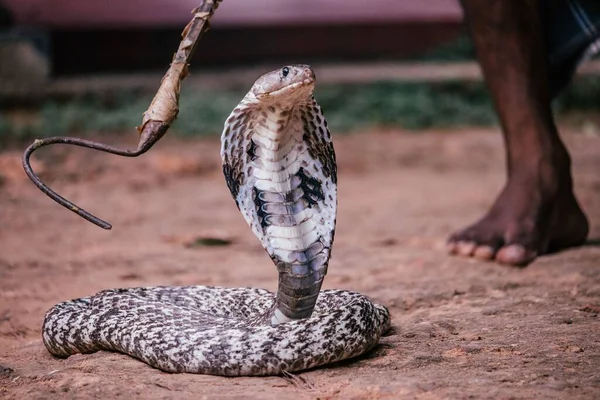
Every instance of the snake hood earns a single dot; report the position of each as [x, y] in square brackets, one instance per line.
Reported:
[279, 164]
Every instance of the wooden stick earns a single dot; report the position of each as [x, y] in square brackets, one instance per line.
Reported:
[156, 120]
[164, 107]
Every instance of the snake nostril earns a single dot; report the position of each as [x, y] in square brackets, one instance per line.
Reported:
[309, 74]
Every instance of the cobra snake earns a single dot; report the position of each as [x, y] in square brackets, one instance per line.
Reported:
[279, 164]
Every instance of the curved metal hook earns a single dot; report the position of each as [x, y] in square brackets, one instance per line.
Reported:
[146, 142]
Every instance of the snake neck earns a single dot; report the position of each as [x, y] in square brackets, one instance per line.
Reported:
[288, 196]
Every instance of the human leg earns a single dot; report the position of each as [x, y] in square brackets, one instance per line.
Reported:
[536, 212]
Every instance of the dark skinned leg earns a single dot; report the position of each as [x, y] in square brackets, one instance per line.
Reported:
[536, 212]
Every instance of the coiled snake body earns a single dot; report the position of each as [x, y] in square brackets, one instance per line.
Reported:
[279, 164]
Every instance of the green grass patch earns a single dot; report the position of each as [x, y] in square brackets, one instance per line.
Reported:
[409, 105]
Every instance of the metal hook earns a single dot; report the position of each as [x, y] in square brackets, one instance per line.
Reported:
[146, 142]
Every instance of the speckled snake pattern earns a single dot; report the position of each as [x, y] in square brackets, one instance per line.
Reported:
[279, 165]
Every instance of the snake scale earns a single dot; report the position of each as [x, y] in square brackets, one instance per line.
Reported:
[279, 164]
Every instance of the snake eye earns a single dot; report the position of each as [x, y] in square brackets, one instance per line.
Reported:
[285, 71]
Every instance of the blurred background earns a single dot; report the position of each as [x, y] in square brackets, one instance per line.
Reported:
[90, 66]
[419, 156]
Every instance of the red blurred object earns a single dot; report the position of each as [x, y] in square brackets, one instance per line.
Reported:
[135, 35]
[69, 14]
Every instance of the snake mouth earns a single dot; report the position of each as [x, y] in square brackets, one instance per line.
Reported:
[288, 89]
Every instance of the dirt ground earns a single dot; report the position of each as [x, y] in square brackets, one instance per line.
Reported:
[462, 328]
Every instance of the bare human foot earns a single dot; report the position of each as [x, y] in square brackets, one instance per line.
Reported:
[536, 212]
[529, 218]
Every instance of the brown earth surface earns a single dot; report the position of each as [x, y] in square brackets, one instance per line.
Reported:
[462, 328]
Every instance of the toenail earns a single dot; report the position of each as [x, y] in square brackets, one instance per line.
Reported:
[484, 252]
[466, 248]
[515, 254]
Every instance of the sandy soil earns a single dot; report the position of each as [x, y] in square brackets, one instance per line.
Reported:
[462, 328]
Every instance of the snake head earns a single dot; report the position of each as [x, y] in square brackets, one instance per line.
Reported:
[287, 83]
